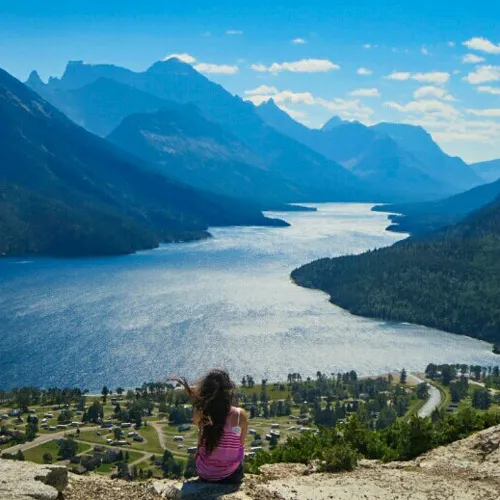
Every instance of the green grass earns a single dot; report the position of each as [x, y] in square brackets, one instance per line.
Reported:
[415, 407]
[36, 454]
[273, 393]
[153, 444]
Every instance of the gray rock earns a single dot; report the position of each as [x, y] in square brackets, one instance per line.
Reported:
[28, 481]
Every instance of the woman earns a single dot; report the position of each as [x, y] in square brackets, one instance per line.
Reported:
[223, 428]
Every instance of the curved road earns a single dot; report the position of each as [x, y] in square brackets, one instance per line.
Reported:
[434, 398]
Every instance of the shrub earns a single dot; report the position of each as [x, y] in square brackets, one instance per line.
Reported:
[339, 458]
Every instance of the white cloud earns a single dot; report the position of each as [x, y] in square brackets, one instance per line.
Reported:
[299, 41]
[485, 89]
[472, 59]
[432, 92]
[460, 136]
[302, 66]
[187, 58]
[491, 113]
[234, 32]
[364, 71]
[458, 129]
[424, 50]
[451, 44]
[484, 74]
[225, 69]
[430, 77]
[373, 92]
[399, 75]
[296, 115]
[367, 46]
[482, 44]
[262, 90]
[348, 108]
[432, 107]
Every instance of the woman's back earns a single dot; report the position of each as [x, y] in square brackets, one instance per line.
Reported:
[227, 456]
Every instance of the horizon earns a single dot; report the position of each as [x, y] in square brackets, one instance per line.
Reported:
[431, 65]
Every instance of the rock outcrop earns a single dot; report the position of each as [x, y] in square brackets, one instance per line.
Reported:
[28, 481]
[465, 470]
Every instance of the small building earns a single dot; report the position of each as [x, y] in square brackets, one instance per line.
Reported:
[275, 433]
[138, 439]
[106, 425]
[192, 450]
[132, 434]
[184, 427]
[49, 415]
[178, 438]
[275, 426]
[126, 425]
[254, 449]
[76, 424]
[252, 431]
[52, 428]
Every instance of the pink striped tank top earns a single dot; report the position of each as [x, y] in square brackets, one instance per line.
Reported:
[228, 455]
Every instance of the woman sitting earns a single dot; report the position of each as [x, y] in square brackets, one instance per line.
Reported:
[223, 428]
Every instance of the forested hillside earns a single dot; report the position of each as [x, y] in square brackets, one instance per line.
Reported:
[425, 217]
[64, 191]
[449, 280]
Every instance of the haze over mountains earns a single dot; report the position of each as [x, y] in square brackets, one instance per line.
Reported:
[398, 159]
[64, 191]
[280, 159]
[171, 127]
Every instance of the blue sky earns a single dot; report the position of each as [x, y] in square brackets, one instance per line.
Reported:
[434, 63]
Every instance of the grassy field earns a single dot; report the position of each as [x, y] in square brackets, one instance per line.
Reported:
[36, 454]
[151, 445]
[272, 390]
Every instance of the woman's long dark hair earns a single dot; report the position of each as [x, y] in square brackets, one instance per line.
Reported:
[212, 398]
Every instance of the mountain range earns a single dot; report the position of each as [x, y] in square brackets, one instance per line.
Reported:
[65, 191]
[302, 174]
[178, 153]
[283, 161]
[401, 160]
[489, 171]
[424, 217]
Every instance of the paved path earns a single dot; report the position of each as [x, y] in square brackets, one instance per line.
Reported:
[158, 428]
[434, 398]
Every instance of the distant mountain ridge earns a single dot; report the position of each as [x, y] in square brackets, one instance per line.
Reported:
[313, 176]
[184, 145]
[64, 191]
[487, 170]
[425, 217]
[400, 159]
[447, 169]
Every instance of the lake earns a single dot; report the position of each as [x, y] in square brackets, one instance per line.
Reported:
[226, 302]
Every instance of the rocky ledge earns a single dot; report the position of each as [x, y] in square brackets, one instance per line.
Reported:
[465, 470]
[28, 481]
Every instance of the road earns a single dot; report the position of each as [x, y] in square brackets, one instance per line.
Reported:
[434, 398]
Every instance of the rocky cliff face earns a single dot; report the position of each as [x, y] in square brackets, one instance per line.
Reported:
[466, 470]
